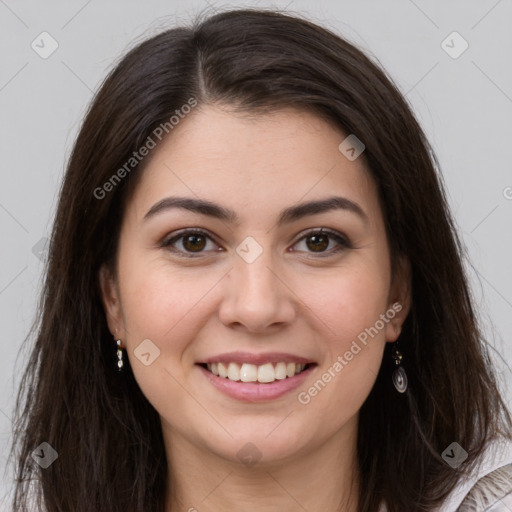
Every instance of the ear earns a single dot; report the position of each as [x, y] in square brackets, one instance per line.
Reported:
[399, 299]
[111, 302]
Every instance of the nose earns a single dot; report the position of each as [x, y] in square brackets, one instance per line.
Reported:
[257, 297]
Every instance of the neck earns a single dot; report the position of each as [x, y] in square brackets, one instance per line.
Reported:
[322, 477]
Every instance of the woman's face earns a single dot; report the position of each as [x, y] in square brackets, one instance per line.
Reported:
[258, 289]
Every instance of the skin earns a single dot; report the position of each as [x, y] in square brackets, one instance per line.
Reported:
[290, 299]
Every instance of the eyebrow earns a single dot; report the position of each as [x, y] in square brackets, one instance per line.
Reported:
[288, 215]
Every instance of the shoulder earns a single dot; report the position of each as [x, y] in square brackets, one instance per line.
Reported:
[493, 490]
[489, 488]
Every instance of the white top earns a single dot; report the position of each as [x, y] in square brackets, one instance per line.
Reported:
[497, 455]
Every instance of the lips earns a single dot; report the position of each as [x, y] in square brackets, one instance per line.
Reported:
[257, 359]
[267, 369]
[256, 391]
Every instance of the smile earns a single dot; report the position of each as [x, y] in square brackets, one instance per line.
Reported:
[263, 374]
[274, 385]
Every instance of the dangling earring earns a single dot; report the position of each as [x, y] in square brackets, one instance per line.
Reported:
[119, 356]
[399, 375]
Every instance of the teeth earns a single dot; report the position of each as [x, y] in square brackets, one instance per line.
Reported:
[223, 371]
[233, 371]
[248, 373]
[264, 373]
[280, 371]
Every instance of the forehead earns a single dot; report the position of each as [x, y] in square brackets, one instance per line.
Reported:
[250, 161]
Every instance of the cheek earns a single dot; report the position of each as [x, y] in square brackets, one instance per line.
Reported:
[159, 299]
[163, 305]
[349, 308]
[349, 301]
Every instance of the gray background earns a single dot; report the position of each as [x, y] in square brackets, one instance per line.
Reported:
[464, 105]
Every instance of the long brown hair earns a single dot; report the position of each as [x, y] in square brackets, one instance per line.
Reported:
[107, 435]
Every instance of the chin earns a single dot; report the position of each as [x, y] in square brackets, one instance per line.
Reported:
[259, 444]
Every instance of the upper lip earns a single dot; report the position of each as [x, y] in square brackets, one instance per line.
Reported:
[256, 359]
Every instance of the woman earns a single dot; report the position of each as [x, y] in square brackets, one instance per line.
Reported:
[253, 214]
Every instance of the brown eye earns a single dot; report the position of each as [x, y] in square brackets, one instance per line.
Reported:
[317, 242]
[188, 243]
[194, 243]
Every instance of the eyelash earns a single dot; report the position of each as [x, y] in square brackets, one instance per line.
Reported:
[343, 242]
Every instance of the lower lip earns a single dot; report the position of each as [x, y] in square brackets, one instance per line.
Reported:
[255, 391]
